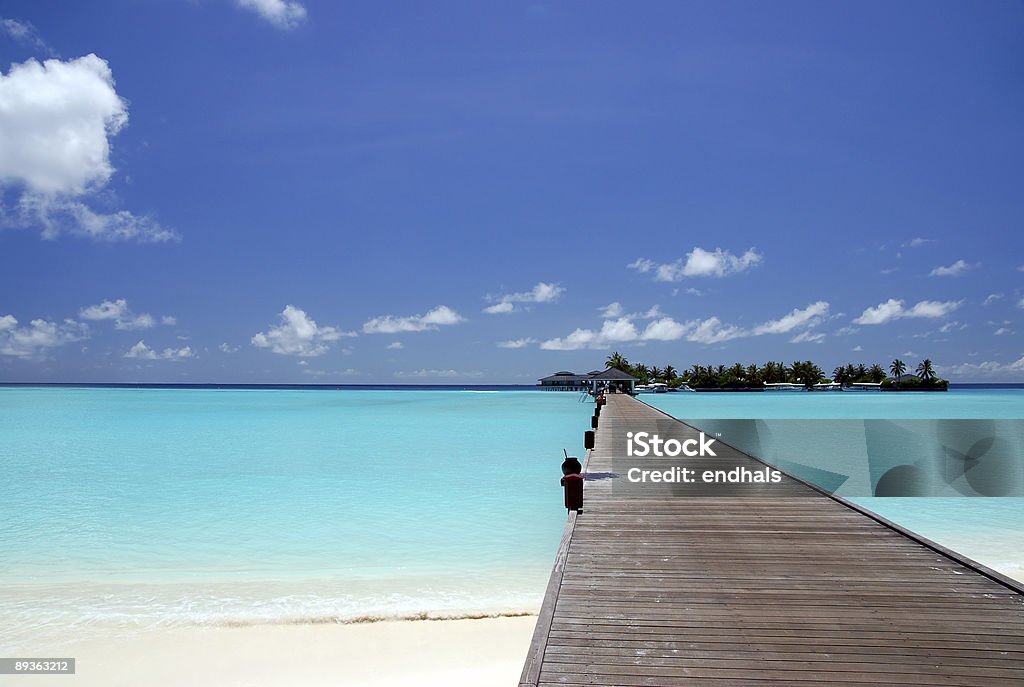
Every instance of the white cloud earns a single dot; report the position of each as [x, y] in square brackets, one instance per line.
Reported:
[143, 352]
[227, 348]
[807, 317]
[653, 312]
[32, 341]
[857, 348]
[23, 32]
[893, 309]
[955, 270]
[502, 308]
[986, 370]
[426, 373]
[517, 343]
[808, 337]
[541, 293]
[348, 372]
[298, 334]
[642, 265]
[56, 121]
[666, 329]
[395, 346]
[56, 215]
[1020, 303]
[1002, 331]
[917, 242]
[619, 330]
[708, 331]
[908, 354]
[932, 308]
[284, 14]
[992, 298]
[169, 320]
[122, 315]
[442, 315]
[611, 310]
[699, 263]
[713, 330]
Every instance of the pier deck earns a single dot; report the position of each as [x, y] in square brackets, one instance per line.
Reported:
[786, 587]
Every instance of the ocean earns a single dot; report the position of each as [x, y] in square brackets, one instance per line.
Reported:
[128, 508]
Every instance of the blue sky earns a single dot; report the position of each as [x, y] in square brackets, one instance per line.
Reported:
[284, 191]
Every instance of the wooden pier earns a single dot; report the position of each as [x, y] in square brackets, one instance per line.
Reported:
[778, 585]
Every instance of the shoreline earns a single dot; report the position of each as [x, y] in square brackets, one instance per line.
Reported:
[385, 653]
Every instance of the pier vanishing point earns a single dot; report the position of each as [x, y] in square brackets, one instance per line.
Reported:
[774, 585]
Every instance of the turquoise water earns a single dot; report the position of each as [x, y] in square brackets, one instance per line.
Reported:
[971, 403]
[163, 506]
[132, 508]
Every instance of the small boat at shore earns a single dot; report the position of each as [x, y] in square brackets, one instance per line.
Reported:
[827, 386]
[783, 386]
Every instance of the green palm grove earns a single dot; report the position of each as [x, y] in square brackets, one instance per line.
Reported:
[803, 372]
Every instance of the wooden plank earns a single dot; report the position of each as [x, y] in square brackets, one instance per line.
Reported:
[667, 588]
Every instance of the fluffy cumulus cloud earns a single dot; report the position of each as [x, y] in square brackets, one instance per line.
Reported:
[957, 269]
[284, 14]
[711, 330]
[611, 310]
[541, 293]
[56, 121]
[699, 263]
[33, 340]
[121, 315]
[298, 334]
[141, 351]
[894, 309]
[440, 316]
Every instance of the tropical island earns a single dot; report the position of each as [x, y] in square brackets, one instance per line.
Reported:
[806, 373]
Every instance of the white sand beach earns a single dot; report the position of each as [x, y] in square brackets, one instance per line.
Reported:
[488, 651]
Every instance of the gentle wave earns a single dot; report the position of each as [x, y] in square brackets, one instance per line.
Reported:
[363, 619]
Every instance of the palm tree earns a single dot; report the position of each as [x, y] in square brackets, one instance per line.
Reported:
[897, 368]
[876, 373]
[752, 375]
[841, 376]
[669, 373]
[617, 361]
[654, 372]
[925, 370]
[641, 372]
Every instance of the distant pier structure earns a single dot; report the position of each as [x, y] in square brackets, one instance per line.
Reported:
[611, 378]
